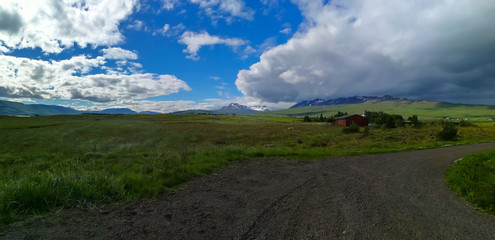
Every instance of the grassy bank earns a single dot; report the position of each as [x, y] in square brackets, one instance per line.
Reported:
[87, 161]
[473, 178]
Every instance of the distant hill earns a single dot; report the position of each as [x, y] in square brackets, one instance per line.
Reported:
[149, 112]
[343, 101]
[426, 110]
[117, 111]
[194, 111]
[233, 108]
[20, 109]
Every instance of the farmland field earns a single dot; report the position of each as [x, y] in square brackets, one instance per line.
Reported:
[86, 161]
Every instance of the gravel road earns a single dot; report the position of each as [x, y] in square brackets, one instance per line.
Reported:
[385, 196]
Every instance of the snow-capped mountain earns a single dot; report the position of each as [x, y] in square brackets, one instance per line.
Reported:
[235, 108]
[342, 101]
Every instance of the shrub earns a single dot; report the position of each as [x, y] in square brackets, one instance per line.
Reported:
[415, 121]
[399, 122]
[448, 133]
[390, 122]
[351, 129]
[385, 120]
[318, 142]
[465, 123]
[366, 131]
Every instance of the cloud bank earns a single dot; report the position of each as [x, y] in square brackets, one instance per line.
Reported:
[55, 25]
[438, 48]
[71, 79]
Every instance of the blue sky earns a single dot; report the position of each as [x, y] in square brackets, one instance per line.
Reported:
[170, 55]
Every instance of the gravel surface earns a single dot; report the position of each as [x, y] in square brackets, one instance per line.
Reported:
[385, 196]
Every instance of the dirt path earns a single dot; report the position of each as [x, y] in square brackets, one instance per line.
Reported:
[387, 196]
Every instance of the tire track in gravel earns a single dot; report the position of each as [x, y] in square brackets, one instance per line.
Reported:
[285, 203]
[384, 196]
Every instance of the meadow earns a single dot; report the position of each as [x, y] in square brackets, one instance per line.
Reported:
[91, 160]
[427, 110]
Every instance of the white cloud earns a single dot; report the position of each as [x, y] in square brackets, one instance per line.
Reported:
[286, 30]
[434, 49]
[163, 30]
[225, 9]
[69, 79]
[195, 41]
[217, 9]
[118, 53]
[169, 4]
[267, 44]
[54, 25]
[170, 31]
[248, 51]
[137, 25]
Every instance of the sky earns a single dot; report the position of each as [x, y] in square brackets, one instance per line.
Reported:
[172, 55]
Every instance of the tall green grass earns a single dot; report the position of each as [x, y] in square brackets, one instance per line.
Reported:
[473, 178]
[87, 161]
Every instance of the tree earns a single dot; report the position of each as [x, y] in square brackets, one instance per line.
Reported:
[390, 122]
[340, 114]
[415, 121]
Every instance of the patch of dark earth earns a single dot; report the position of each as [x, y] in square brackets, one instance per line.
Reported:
[384, 196]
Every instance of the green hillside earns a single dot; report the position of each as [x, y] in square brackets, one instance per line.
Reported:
[20, 109]
[426, 110]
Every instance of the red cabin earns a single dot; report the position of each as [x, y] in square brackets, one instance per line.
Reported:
[347, 120]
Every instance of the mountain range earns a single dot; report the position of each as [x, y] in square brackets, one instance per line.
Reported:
[20, 109]
[233, 108]
[343, 101]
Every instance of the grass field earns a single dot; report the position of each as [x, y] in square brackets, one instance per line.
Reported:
[473, 178]
[86, 161]
[426, 110]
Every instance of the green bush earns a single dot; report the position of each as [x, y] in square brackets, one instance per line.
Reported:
[465, 123]
[366, 131]
[415, 121]
[448, 133]
[351, 129]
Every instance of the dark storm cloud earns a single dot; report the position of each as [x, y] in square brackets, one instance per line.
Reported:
[426, 49]
[10, 22]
